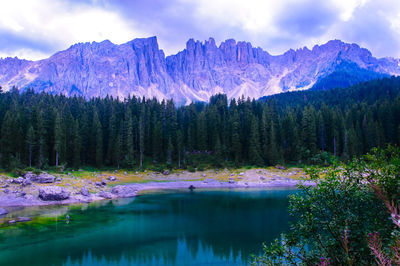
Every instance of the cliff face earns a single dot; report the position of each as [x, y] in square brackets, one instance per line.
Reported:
[201, 70]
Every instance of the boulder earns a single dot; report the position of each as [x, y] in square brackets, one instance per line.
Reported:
[3, 211]
[26, 182]
[104, 194]
[18, 180]
[85, 192]
[166, 172]
[104, 182]
[6, 191]
[30, 175]
[124, 191]
[23, 219]
[125, 173]
[231, 181]
[5, 186]
[53, 193]
[191, 187]
[43, 178]
[280, 167]
[112, 178]
[58, 179]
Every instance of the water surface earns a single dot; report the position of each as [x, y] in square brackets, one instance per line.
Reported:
[203, 227]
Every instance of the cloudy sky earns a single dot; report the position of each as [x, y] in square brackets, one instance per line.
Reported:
[35, 29]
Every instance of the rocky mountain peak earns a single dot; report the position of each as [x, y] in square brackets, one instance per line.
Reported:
[139, 67]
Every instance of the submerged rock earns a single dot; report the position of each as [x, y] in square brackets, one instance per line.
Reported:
[53, 193]
[191, 187]
[24, 219]
[124, 191]
[3, 211]
[104, 194]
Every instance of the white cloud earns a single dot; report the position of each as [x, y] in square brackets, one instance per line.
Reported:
[51, 25]
[251, 15]
[62, 24]
[25, 53]
[347, 7]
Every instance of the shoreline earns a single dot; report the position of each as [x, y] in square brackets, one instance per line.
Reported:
[253, 178]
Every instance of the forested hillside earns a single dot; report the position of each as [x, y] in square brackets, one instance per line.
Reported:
[44, 130]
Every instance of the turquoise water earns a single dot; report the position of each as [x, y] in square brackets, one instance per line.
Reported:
[209, 227]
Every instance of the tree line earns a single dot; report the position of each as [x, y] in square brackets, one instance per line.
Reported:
[43, 130]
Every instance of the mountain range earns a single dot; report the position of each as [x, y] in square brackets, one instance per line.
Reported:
[140, 68]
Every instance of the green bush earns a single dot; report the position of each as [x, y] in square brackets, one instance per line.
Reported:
[201, 167]
[334, 217]
[33, 170]
[191, 169]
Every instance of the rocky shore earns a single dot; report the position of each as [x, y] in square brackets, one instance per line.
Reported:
[47, 189]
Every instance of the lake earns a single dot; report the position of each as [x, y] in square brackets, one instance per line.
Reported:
[181, 227]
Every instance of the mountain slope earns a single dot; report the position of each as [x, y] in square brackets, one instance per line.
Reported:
[201, 70]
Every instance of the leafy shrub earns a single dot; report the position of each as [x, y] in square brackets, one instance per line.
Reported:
[201, 167]
[33, 170]
[335, 217]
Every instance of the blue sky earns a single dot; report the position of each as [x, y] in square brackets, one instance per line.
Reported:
[35, 29]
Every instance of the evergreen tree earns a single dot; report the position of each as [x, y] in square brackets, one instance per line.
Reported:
[8, 145]
[141, 135]
[254, 144]
[76, 145]
[30, 141]
[59, 140]
[41, 140]
[98, 137]
[218, 152]
[130, 145]
[236, 144]
[309, 136]
[272, 151]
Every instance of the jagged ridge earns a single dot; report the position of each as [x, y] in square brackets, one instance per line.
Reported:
[201, 70]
